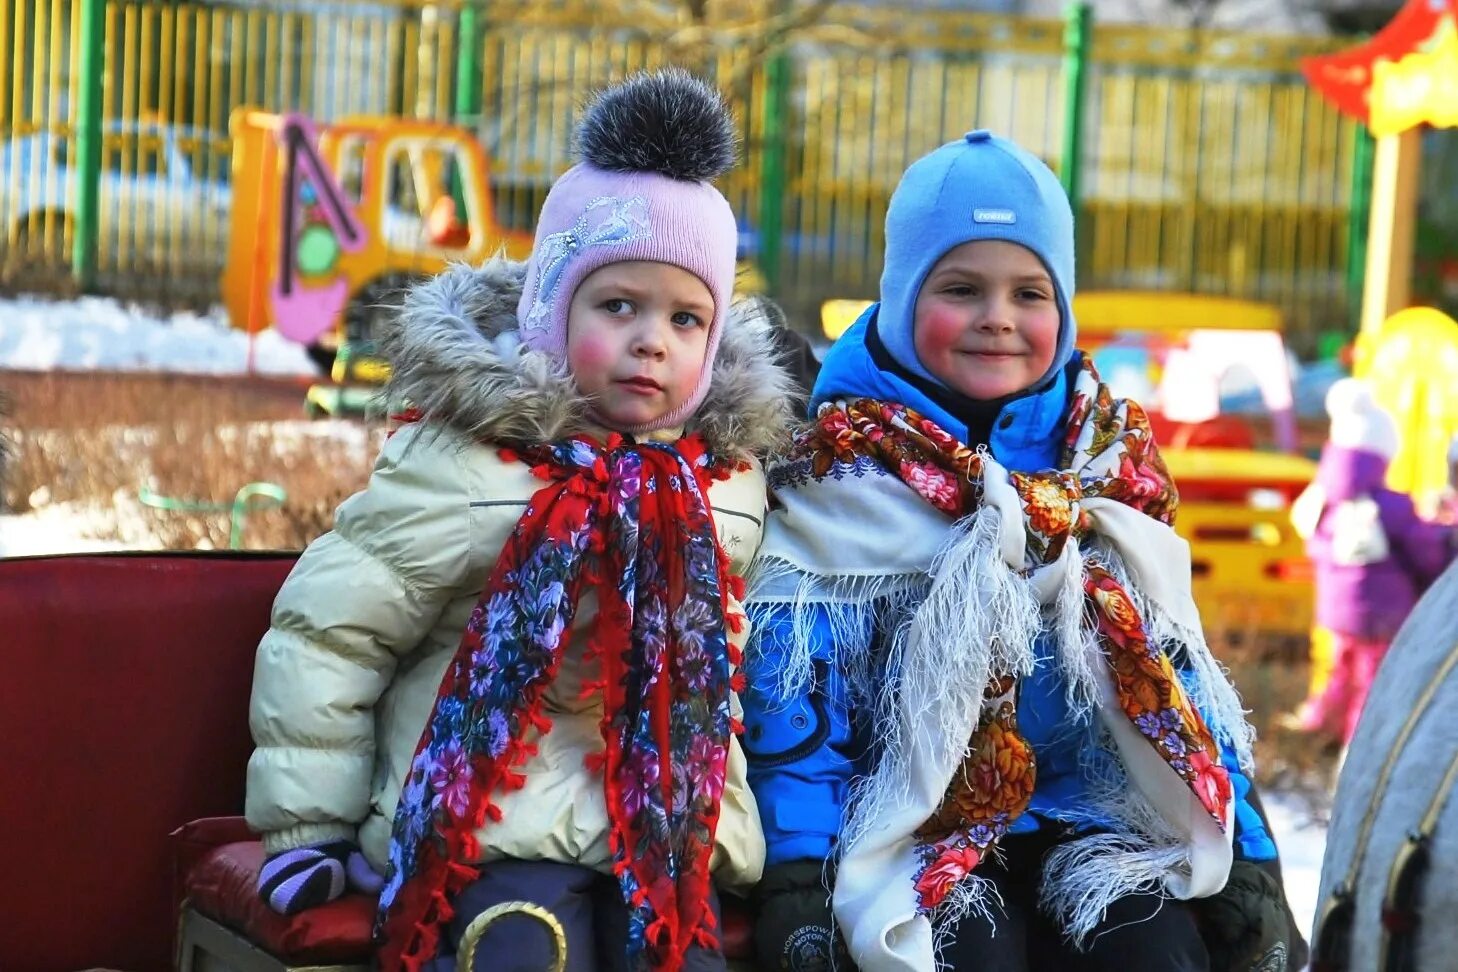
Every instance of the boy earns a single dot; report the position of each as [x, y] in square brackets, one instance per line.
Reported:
[977, 678]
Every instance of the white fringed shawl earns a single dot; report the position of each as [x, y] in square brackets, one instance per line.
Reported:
[957, 600]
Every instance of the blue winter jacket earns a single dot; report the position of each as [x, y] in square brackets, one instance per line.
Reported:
[803, 751]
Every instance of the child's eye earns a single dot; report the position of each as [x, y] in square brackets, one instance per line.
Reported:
[1032, 293]
[686, 320]
[958, 290]
[616, 305]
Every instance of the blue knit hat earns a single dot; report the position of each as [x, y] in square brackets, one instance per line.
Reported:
[979, 187]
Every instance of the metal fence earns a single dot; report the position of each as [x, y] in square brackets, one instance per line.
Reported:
[1204, 163]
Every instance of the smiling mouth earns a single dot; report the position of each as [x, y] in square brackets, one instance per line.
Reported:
[990, 354]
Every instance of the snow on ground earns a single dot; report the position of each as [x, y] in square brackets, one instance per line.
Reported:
[64, 528]
[99, 332]
[1301, 836]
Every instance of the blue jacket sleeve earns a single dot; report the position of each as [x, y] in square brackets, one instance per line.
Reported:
[1252, 840]
[798, 746]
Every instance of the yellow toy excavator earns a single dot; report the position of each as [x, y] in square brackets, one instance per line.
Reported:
[332, 222]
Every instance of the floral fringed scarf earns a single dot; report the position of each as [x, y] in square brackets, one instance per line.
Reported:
[1017, 542]
[631, 523]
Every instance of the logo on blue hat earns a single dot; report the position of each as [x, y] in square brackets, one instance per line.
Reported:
[1004, 217]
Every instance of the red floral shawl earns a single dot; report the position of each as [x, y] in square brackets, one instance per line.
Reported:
[633, 524]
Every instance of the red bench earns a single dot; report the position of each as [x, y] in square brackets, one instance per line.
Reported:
[124, 716]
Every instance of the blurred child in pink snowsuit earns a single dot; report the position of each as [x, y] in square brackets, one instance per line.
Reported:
[1373, 555]
[1447, 509]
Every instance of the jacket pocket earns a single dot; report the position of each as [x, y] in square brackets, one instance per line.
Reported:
[784, 735]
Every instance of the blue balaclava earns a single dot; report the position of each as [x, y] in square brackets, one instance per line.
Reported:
[979, 187]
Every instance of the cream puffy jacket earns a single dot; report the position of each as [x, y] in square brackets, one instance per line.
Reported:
[364, 627]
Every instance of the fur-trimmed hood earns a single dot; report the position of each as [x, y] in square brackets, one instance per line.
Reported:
[456, 356]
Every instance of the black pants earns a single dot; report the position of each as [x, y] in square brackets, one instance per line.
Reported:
[588, 905]
[1147, 932]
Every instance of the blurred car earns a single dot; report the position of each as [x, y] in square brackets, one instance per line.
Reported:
[162, 187]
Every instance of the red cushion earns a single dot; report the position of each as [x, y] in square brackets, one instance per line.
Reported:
[126, 691]
[223, 884]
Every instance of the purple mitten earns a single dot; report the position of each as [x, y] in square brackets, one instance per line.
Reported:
[307, 877]
[362, 877]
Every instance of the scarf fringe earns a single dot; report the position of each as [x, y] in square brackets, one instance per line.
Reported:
[1075, 637]
[977, 618]
[855, 608]
[973, 895]
[1082, 878]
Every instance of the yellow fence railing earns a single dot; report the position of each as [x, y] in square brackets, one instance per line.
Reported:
[1206, 164]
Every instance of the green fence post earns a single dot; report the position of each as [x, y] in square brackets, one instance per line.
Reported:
[86, 229]
[1077, 37]
[1359, 216]
[468, 64]
[468, 85]
[772, 159]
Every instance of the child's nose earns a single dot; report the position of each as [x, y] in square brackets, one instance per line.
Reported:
[650, 340]
[997, 316]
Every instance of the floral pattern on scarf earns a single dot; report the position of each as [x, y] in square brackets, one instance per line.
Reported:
[631, 523]
[995, 783]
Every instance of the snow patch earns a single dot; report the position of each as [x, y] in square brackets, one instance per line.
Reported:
[101, 333]
[1300, 833]
[67, 528]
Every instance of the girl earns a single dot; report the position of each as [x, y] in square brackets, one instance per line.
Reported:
[507, 672]
[1374, 556]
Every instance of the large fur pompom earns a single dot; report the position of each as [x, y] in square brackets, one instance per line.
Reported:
[666, 121]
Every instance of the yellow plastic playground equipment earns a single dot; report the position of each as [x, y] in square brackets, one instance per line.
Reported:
[1237, 479]
[331, 222]
[1411, 362]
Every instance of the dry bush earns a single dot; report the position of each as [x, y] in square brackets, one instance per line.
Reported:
[210, 464]
[99, 438]
[1272, 680]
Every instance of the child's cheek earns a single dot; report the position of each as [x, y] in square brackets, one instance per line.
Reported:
[938, 327]
[591, 357]
[686, 377]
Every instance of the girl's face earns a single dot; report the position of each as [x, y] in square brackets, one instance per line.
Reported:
[986, 319]
[637, 334]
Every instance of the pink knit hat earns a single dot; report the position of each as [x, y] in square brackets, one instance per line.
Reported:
[648, 148]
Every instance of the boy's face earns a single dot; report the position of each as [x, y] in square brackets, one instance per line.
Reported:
[986, 319]
[637, 333]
